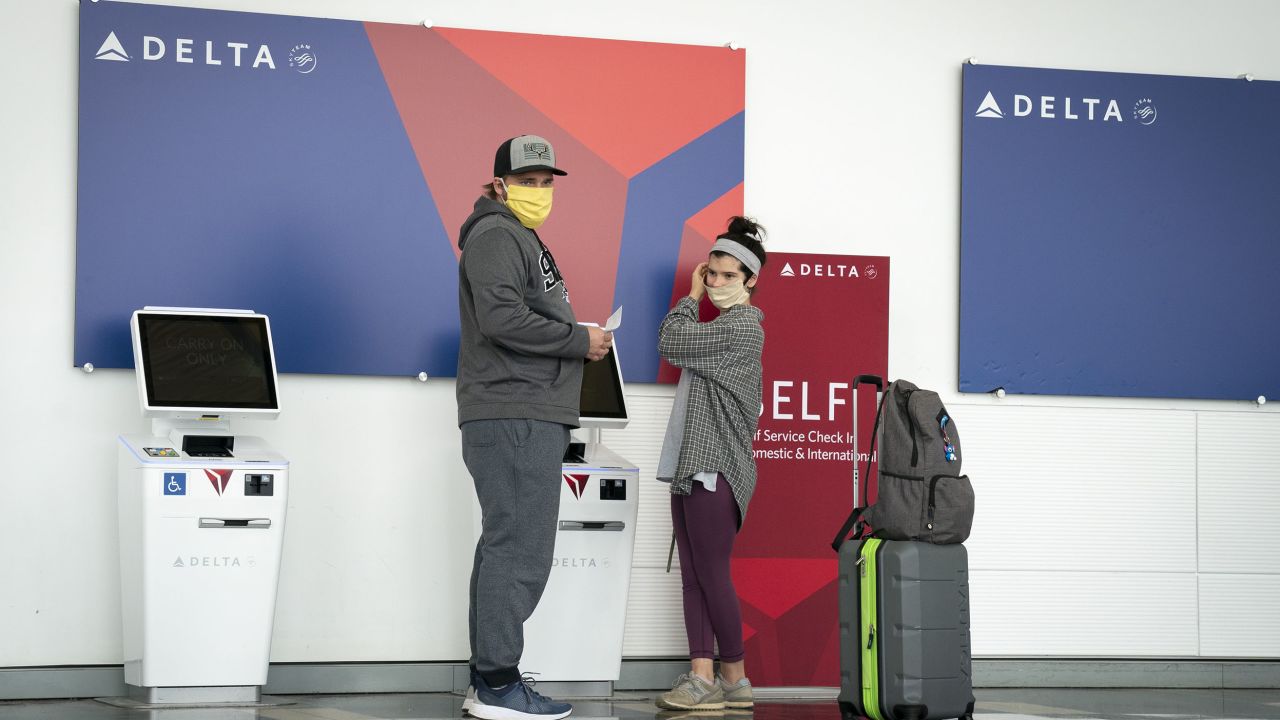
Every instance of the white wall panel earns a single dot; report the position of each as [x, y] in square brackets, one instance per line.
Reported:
[641, 442]
[1083, 613]
[1239, 491]
[655, 615]
[378, 544]
[1051, 483]
[1240, 615]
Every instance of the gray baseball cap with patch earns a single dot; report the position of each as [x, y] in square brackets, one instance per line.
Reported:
[525, 153]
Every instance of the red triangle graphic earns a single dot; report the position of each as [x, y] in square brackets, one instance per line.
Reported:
[775, 585]
[632, 103]
[219, 479]
[714, 218]
[699, 235]
[576, 483]
[456, 157]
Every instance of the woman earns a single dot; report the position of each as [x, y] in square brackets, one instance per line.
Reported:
[707, 458]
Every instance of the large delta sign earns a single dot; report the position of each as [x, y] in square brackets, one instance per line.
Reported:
[332, 203]
[1085, 196]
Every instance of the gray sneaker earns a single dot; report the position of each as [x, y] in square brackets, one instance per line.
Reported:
[691, 692]
[737, 695]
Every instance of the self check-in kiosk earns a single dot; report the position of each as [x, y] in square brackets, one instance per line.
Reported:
[201, 509]
[575, 635]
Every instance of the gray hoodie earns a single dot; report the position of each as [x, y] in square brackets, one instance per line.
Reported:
[522, 350]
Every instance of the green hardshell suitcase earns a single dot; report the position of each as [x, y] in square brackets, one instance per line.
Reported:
[904, 623]
[904, 631]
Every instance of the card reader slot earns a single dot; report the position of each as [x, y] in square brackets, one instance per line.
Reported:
[593, 526]
[243, 523]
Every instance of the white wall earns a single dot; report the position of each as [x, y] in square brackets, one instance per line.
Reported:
[852, 146]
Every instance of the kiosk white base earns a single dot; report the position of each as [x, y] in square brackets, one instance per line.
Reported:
[230, 695]
[200, 541]
[574, 638]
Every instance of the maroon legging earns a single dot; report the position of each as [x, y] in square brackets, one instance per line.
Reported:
[706, 524]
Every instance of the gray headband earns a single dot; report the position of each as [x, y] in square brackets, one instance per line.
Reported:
[732, 247]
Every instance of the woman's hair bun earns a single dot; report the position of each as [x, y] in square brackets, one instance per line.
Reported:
[746, 227]
[749, 234]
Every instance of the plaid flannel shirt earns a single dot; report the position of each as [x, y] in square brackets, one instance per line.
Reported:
[723, 357]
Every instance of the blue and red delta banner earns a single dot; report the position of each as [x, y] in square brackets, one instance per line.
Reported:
[319, 170]
[826, 321]
[1118, 234]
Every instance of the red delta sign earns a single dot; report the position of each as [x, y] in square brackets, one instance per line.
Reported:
[826, 321]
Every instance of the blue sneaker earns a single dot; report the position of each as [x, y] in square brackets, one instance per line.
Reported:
[517, 701]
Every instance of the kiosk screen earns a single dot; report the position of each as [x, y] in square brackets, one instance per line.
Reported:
[207, 361]
[602, 393]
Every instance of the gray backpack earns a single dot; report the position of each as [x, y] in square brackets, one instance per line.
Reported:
[921, 493]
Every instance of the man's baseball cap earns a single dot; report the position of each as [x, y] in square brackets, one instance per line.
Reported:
[525, 153]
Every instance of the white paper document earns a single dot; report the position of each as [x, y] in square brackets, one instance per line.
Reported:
[615, 320]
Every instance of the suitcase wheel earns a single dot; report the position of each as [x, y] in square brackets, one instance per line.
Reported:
[849, 712]
[910, 712]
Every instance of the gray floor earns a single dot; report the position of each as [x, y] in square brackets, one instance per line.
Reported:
[992, 704]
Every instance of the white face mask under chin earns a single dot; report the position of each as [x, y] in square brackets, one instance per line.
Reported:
[726, 296]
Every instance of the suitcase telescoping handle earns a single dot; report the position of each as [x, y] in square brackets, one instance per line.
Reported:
[859, 502]
[879, 383]
[869, 380]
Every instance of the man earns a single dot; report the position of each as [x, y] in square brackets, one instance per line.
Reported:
[519, 386]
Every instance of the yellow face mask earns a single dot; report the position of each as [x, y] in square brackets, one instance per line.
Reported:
[531, 206]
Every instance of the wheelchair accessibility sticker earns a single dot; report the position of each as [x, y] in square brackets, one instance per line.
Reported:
[175, 483]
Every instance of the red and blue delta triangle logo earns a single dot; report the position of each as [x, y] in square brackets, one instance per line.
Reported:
[576, 483]
[219, 478]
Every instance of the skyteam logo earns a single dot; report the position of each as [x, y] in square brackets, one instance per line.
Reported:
[111, 49]
[1144, 111]
[302, 59]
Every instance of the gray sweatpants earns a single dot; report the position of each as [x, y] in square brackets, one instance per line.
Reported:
[516, 467]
